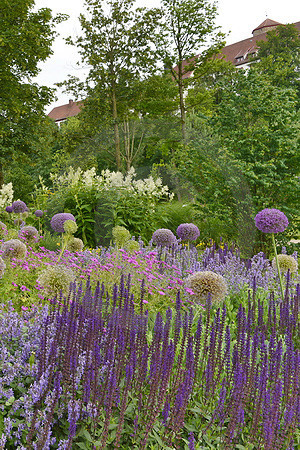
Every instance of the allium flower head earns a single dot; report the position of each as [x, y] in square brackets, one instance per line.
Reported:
[2, 267]
[56, 278]
[286, 262]
[163, 237]
[132, 246]
[9, 209]
[3, 229]
[19, 207]
[13, 249]
[58, 220]
[271, 220]
[29, 233]
[120, 235]
[38, 213]
[70, 226]
[207, 282]
[75, 245]
[188, 232]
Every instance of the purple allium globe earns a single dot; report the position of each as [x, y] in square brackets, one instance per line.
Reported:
[163, 237]
[19, 207]
[58, 220]
[38, 213]
[9, 209]
[207, 282]
[188, 232]
[271, 220]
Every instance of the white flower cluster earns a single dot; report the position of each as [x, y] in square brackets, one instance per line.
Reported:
[6, 195]
[149, 186]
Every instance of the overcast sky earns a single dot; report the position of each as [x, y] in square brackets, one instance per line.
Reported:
[236, 18]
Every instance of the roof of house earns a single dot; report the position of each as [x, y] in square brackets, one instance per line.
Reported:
[62, 112]
[266, 24]
[238, 52]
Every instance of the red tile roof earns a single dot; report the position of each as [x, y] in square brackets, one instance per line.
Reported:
[62, 112]
[238, 52]
[266, 24]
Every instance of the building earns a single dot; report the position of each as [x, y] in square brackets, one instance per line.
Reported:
[61, 113]
[238, 53]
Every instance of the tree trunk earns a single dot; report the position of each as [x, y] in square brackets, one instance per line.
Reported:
[116, 128]
[181, 100]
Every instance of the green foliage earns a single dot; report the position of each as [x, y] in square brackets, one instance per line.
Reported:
[26, 37]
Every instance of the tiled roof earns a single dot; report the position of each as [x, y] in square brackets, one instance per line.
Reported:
[267, 23]
[62, 112]
[238, 52]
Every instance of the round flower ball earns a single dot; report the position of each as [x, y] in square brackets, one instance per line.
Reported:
[207, 282]
[19, 207]
[29, 234]
[163, 237]
[286, 262]
[75, 245]
[120, 235]
[55, 279]
[188, 232]
[13, 249]
[38, 213]
[58, 220]
[70, 226]
[132, 246]
[271, 220]
[9, 209]
[3, 229]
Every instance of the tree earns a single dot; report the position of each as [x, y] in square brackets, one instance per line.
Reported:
[258, 124]
[26, 37]
[116, 47]
[186, 28]
[279, 56]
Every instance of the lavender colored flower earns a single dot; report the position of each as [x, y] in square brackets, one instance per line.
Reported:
[163, 237]
[13, 249]
[19, 207]
[38, 213]
[9, 209]
[188, 232]
[207, 282]
[271, 220]
[58, 220]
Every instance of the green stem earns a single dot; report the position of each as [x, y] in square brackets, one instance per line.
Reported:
[65, 241]
[277, 265]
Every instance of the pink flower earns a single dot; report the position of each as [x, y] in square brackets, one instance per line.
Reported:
[161, 293]
[24, 308]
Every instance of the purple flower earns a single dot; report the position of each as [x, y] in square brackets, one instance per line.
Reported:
[9, 209]
[58, 220]
[188, 232]
[38, 213]
[271, 220]
[163, 237]
[19, 207]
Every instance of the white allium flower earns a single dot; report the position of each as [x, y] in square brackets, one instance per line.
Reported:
[6, 195]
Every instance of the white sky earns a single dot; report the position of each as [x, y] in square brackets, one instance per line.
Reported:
[235, 17]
